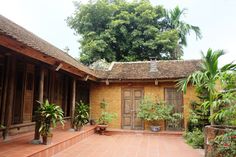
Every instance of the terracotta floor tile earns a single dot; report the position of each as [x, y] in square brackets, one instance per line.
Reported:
[130, 145]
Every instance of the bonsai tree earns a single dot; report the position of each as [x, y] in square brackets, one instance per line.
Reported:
[152, 112]
[105, 117]
[81, 116]
[49, 114]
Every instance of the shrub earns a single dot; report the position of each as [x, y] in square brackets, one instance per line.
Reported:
[151, 111]
[195, 138]
[226, 144]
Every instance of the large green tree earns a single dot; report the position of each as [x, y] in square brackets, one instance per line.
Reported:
[126, 31]
[174, 21]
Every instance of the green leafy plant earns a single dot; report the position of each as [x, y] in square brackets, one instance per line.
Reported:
[209, 77]
[2, 126]
[105, 117]
[226, 144]
[151, 111]
[198, 116]
[195, 138]
[81, 116]
[175, 120]
[124, 30]
[49, 114]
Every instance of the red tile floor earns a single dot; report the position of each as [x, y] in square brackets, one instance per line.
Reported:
[20, 146]
[131, 145]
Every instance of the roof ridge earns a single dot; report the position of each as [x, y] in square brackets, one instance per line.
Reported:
[188, 60]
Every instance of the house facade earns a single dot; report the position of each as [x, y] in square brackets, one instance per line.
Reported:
[125, 84]
[32, 70]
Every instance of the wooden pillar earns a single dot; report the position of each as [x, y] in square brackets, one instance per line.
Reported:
[41, 85]
[51, 86]
[65, 96]
[10, 97]
[73, 95]
[37, 123]
[6, 79]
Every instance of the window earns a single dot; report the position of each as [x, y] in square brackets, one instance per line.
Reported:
[174, 97]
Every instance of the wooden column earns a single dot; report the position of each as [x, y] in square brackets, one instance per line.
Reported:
[37, 123]
[6, 79]
[65, 96]
[52, 86]
[10, 97]
[73, 95]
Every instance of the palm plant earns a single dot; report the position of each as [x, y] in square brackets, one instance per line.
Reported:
[209, 77]
[173, 19]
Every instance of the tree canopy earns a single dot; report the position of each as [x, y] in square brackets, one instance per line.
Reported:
[128, 31]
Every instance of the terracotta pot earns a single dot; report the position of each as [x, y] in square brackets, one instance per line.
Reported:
[47, 140]
[102, 128]
[78, 128]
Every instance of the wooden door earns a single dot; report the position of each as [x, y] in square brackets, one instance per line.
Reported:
[131, 98]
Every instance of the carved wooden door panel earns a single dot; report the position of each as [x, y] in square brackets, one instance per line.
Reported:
[130, 101]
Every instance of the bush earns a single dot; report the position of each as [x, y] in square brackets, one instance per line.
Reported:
[226, 144]
[195, 138]
[154, 111]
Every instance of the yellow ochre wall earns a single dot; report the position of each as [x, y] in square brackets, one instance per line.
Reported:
[112, 95]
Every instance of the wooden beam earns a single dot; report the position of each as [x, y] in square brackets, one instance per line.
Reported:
[10, 97]
[25, 50]
[73, 95]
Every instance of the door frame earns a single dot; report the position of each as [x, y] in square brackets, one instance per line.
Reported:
[122, 106]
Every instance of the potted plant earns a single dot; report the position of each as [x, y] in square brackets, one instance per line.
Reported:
[49, 114]
[81, 116]
[175, 121]
[153, 112]
[105, 118]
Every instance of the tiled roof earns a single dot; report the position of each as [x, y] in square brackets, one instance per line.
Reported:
[172, 69]
[22, 35]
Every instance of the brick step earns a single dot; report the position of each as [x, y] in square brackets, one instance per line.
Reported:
[145, 132]
[21, 146]
[55, 148]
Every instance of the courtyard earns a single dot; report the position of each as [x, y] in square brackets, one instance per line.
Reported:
[131, 144]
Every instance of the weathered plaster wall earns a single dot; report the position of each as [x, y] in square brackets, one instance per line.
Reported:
[112, 95]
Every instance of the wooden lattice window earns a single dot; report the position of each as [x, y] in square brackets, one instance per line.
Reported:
[174, 97]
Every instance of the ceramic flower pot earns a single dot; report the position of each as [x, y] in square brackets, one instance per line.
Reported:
[102, 128]
[155, 128]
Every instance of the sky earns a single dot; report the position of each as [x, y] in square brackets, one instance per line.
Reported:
[46, 19]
